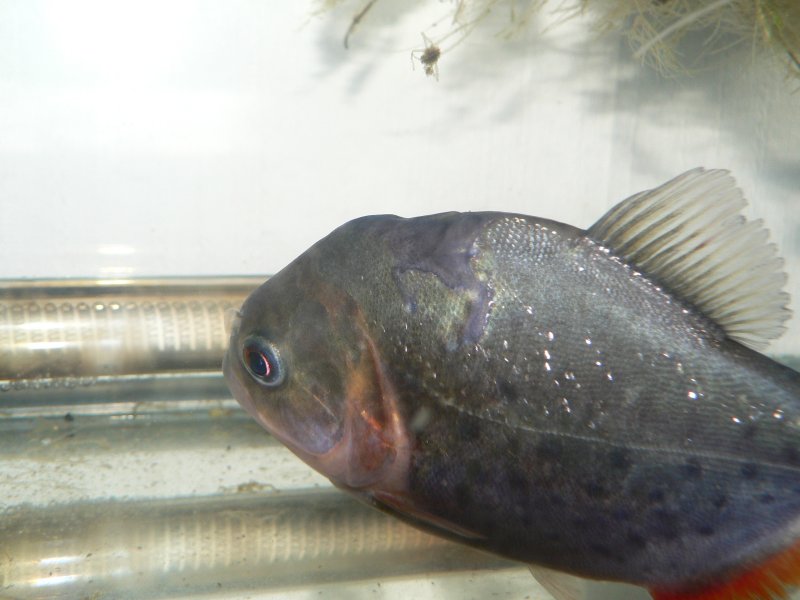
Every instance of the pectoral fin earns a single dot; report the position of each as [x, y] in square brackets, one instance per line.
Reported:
[404, 507]
[563, 586]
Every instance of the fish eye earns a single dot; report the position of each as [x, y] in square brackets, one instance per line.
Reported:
[263, 361]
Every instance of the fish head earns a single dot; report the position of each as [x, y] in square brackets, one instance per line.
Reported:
[302, 363]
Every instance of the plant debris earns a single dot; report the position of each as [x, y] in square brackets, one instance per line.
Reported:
[654, 28]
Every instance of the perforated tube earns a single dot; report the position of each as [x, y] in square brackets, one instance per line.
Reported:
[67, 334]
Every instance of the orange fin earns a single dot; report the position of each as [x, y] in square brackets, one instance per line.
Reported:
[770, 580]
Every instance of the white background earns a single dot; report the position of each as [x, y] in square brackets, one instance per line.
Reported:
[176, 138]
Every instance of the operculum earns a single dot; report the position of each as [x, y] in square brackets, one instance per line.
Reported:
[375, 449]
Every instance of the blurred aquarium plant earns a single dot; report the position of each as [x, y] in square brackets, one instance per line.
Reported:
[656, 29]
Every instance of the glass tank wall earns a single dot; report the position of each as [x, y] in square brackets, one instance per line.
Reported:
[159, 161]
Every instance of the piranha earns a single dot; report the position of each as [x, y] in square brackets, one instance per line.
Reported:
[591, 402]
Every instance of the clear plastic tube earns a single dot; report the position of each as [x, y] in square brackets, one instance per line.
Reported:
[67, 334]
[156, 549]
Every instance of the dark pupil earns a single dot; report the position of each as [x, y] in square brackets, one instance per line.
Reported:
[258, 362]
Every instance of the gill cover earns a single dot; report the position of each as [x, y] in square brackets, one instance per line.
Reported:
[302, 362]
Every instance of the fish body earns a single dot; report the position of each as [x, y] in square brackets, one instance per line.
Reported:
[517, 385]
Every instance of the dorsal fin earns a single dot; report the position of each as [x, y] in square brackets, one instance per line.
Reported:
[690, 234]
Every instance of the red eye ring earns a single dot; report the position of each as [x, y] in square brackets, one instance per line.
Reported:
[257, 362]
[263, 361]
